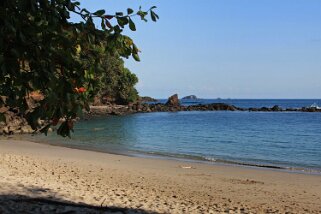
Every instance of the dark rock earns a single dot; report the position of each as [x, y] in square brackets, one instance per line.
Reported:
[138, 107]
[223, 106]
[173, 109]
[264, 109]
[276, 108]
[290, 109]
[173, 101]
[310, 109]
[14, 124]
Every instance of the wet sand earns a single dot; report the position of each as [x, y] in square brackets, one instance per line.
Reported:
[38, 178]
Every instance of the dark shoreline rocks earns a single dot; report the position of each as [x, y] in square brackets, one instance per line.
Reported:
[173, 101]
[160, 107]
[15, 124]
[173, 105]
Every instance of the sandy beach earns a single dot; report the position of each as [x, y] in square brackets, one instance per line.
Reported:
[39, 178]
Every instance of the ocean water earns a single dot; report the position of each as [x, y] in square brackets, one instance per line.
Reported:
[254, 103]
[289, 140]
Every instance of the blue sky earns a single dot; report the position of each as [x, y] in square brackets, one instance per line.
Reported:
[226, 48]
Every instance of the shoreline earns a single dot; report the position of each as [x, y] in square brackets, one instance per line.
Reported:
[151, 185]
[181, 158]
[15, 124]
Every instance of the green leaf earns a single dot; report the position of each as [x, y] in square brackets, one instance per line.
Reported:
[99, 12]
[64, 130]
[45, 129]
[117, 29]
[22, 37]
[154, 16]
[129, 11]
[103, 26]
[119, 13]
[87, 107]
[78, 110]
[132, 25]
[84, 10]
[70, 6]
[135, 49]
[136, 57]
[33, 117]
[122, 21]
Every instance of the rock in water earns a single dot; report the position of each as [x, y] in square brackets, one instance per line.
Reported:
[276, 108]
[173, 101]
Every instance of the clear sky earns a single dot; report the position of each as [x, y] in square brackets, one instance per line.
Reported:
[226, 48]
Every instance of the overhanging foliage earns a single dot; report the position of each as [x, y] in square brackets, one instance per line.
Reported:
[41, 50]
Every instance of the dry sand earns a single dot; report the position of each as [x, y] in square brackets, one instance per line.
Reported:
[39, 178]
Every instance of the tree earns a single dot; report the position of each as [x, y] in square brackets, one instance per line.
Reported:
[41, 50]
[117, 82]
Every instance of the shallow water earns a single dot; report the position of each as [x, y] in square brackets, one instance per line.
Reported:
[273, 139]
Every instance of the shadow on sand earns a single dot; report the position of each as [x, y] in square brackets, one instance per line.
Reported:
[42, 200]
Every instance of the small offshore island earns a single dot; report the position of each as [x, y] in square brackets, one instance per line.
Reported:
[190, 97]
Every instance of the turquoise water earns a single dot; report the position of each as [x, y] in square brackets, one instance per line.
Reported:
[273, 139]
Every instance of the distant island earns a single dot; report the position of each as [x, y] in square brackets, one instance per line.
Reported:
[190, 97]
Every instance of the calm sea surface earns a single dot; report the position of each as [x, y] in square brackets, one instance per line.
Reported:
[289, 140]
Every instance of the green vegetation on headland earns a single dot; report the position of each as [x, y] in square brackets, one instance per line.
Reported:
[147, 99]
[65, 62]
[190, 97]
[117, 83]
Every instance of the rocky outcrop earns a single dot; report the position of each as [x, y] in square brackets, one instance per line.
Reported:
[190, 97]
[173, 101]
[13, 123]
[159, 107]
[208, 107]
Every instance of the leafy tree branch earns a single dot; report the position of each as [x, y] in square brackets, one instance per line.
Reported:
[41, 50]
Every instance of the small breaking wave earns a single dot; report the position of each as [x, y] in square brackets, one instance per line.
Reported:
[202, 159]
